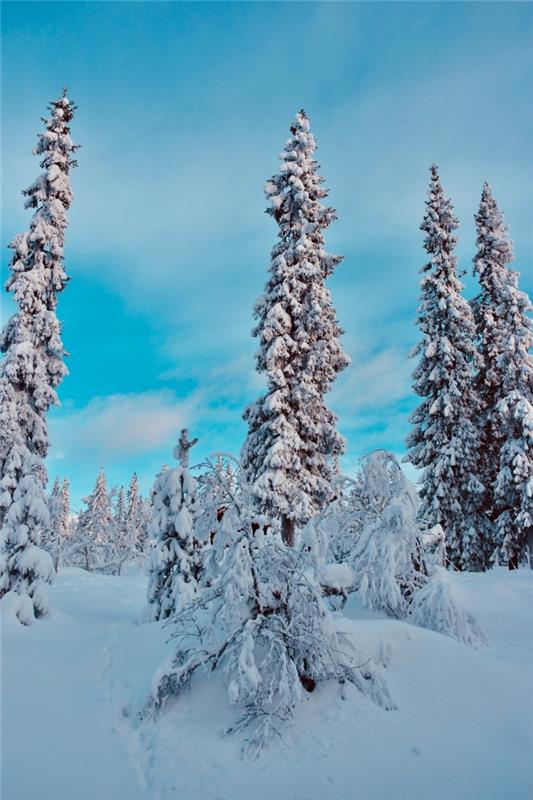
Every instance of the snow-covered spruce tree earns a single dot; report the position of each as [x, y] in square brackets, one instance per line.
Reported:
[174, 562]
[136, 519]
[445, 440]
[57, 535]
[147, 514]
[94, 544]
[131, 524]
[32, 369]
[123, 545]
[50, 539]
[98, 519]
[491, 265]
[514, 484]
[64, 521]
[290, 454]
[262, 622]
[505, 383]
[120, 512]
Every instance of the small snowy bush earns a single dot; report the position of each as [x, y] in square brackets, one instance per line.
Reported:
[386, 555]
[433, 606]
[394, 564]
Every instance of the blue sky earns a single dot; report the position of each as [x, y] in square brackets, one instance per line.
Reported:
[183, 109]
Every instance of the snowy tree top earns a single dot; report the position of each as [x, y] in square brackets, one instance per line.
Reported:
[493, 240]
[182, 449]
[439, 220]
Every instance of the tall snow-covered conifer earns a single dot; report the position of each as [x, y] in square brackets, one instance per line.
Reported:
[505, 383]
[32, 369]
[291, 451]
[445, 440]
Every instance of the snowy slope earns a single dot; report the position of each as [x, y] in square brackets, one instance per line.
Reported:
[73, 684]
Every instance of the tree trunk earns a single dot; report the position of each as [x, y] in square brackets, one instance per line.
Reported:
[287, 531]
[513, 561]
[529, 541]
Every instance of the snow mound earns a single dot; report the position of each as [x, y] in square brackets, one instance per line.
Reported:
[76, 681]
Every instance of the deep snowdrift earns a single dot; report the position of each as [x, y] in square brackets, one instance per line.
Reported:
[72, 687]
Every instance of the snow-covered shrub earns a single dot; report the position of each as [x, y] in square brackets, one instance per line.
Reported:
[434, 546]
[337, 579]
[393, 563]
[343, 519]
[386, 555]
[433, 606]
[315, 540]
[373, 530]
[26, 567]
[216, 489]
[262, 621]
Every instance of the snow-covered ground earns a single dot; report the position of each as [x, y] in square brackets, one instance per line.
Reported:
[72, 687]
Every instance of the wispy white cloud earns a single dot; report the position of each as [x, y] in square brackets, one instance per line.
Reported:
[444, 113]
[119, 426]
[375, 380]
[372, 400]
